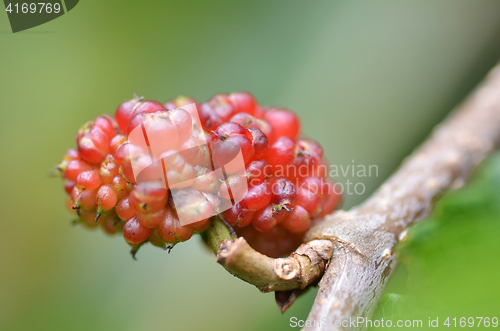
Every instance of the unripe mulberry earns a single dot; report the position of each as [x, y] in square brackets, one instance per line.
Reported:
[122, 177]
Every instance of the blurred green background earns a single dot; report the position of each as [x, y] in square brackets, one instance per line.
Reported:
[369, 79]
[449, 262]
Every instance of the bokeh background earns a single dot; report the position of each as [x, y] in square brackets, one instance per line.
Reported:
[369, 79]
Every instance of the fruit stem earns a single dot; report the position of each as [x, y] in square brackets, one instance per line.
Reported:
[217, 232]
[289, 274]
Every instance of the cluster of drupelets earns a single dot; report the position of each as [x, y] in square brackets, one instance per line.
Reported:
[285, 180]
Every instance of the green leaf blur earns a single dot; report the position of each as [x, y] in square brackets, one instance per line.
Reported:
[450, 262]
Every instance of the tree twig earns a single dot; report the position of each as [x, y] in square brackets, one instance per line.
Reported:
[365, 237]
[300, 269]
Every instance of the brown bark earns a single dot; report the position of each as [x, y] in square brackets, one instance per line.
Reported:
[365, 237]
